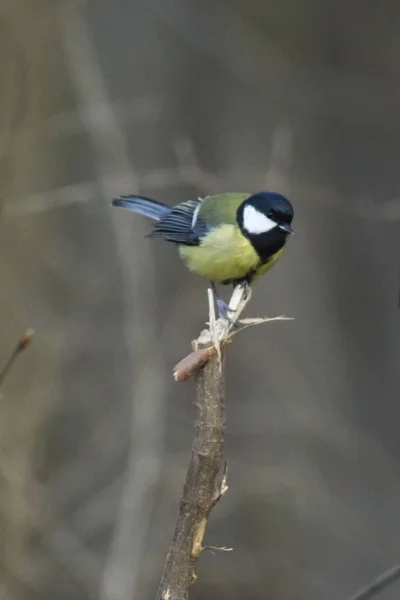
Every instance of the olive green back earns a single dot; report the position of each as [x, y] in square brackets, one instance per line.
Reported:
[220, 209]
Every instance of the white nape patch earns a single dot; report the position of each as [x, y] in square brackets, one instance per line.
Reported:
[256, 222]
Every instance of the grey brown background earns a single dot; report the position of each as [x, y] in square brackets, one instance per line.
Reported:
[173, 99]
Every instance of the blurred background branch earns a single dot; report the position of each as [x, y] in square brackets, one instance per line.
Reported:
[147, 390]
[21, 345]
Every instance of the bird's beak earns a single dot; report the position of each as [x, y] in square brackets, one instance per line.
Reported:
[286, 227]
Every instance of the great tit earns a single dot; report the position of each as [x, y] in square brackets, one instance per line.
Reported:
[227, 238]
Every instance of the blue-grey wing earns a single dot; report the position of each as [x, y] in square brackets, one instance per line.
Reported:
[182, 225]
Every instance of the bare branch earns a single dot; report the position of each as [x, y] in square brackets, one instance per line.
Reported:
[204, 487]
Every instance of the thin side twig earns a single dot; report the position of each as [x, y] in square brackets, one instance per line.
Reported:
[220, 333]
[378, 585]
[203, 486]
[22, 343]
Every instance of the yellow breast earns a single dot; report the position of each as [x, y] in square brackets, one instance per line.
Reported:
[224, 254]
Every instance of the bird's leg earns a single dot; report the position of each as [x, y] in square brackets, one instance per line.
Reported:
[222, 307]
[246, 287]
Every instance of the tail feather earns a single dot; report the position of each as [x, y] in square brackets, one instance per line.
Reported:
[144, 206]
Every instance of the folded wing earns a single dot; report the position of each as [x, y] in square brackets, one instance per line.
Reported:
[182, 225]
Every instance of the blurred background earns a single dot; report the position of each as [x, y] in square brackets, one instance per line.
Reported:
[176, 99]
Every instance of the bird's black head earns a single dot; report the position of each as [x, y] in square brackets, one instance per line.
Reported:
[265, 219]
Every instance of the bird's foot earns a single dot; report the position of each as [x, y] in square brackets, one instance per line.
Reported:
[224, 310]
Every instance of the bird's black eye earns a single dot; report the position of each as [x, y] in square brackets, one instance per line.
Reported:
[270, 215]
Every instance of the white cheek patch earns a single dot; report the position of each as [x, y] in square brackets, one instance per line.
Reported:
[256, 222]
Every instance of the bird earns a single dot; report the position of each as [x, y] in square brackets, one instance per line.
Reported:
[228, 238]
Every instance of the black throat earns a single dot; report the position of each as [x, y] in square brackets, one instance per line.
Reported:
[267, 244]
